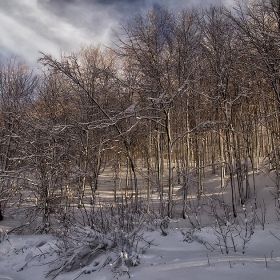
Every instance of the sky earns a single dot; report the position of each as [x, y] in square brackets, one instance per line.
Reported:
[28, 27]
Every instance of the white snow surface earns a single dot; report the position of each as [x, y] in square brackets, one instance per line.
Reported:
[170, 257]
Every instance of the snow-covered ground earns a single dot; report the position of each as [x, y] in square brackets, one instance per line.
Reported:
[169, 258]
[182, 254]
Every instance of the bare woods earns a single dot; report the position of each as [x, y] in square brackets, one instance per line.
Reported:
[178, 97]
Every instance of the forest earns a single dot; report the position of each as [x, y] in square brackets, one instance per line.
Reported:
[136, 128]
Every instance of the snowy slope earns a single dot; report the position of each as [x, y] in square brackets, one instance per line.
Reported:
[170, 257]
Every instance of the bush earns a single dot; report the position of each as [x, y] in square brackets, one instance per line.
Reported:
[114, 236]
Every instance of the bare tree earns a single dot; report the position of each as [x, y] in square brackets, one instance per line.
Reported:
[95, 79]
[17, 89]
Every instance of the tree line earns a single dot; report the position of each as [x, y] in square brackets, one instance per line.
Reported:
[178, 94]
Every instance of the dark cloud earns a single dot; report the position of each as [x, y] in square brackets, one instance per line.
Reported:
[29, 26]
[72, 8]
[112, 2]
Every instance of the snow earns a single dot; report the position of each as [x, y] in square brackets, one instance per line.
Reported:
[184, 253]
[130, 109]
[169, 258]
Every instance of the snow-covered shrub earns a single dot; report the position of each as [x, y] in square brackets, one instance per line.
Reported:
[187, 235]
[161, 223]
[114, 236]
[3, 235]
[231, 231]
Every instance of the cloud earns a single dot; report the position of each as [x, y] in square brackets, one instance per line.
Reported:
[27, 27]
[30, 26]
